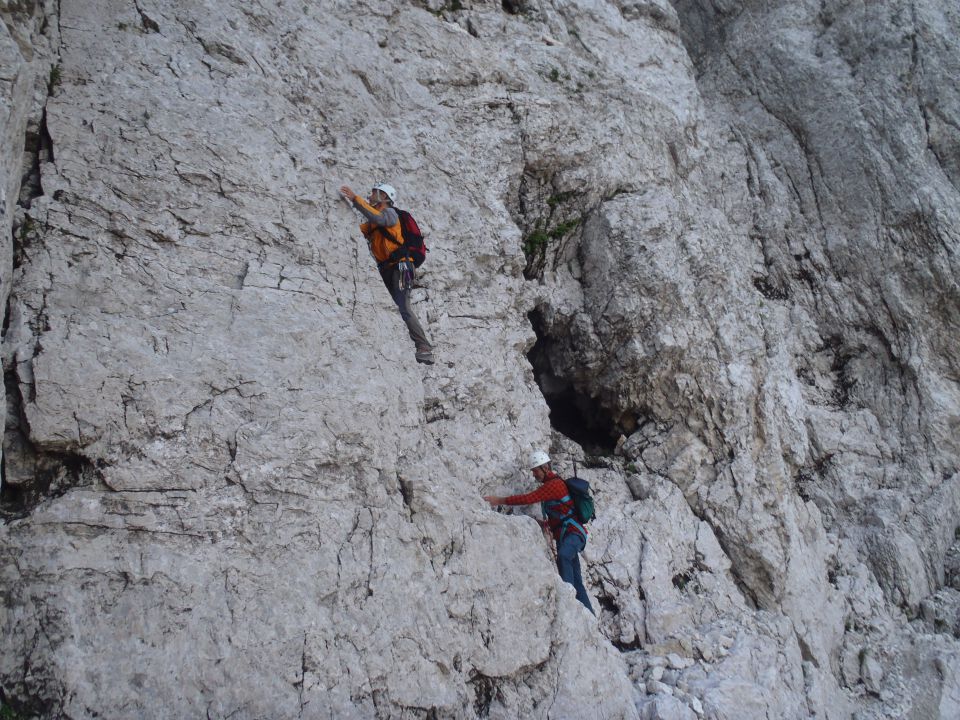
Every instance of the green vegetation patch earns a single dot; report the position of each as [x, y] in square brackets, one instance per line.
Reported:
[538, 240]
[56, 75]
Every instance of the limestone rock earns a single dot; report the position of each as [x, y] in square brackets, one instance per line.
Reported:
[707, 250]
[666, 708]
[942, 611]
[872, 674]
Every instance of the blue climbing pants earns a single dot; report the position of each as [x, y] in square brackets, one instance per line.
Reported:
[568, 563]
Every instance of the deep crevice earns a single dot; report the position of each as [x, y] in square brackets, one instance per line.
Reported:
[19, 707]
[6, 320]
[38, 147]
[37, 150]
[149, 24]
[767, 288]
[484, 690]
[607, 605]
[550, 219]
[573, 413]
[29, 475]
[624, 647]
[406, 492]
[512, 7]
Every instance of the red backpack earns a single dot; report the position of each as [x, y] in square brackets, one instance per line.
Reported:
[412, 237]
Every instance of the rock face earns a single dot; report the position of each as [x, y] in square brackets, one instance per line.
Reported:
[714, 245]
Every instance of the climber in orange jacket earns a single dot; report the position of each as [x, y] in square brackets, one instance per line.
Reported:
[559, 518]
[383, 234]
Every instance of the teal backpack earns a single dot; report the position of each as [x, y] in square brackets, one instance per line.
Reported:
[579, 489]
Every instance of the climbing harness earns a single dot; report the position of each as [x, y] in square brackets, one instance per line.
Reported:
[550, 509]
[406, 274]
[578, 497]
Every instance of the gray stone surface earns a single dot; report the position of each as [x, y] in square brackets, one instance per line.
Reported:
[727, 234]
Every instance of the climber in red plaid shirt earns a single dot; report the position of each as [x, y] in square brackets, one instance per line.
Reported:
[557, 506]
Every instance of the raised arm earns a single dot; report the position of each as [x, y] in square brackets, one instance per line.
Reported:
[385, 219]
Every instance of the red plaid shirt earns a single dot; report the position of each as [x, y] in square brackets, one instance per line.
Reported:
[552, 489]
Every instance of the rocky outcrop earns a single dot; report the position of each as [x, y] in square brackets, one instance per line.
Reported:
[714, 244]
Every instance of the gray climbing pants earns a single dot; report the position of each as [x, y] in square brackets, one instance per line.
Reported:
[391, 278]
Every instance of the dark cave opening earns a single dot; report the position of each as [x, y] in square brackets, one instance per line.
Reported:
[573, 413]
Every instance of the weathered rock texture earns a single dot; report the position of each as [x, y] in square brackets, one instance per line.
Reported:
[720, 239]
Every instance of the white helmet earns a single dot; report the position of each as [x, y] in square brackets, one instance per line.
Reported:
[538, 458]
[387, 190]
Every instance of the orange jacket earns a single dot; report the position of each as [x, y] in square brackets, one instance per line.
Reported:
[383, 238]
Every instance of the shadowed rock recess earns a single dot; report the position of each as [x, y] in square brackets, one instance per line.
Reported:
[708, 250]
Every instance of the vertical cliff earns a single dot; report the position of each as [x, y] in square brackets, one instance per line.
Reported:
[707, 250]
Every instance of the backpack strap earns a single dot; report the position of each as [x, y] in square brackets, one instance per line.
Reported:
[566, 526]
[567, 518]
[400, 244]
[391, 238]
[549, 505]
